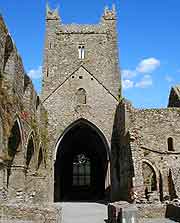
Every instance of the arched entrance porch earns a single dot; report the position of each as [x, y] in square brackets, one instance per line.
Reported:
[81, 163]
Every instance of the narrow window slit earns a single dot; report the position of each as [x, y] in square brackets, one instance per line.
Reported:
[170, 144]
[81, 51]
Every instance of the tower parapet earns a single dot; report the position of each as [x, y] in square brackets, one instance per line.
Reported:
[65, 42]
[52, 15]
[109, 14]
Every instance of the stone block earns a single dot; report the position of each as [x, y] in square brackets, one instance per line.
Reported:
[173, 212]
[122, 212]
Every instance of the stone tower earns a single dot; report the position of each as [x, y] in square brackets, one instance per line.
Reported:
[80, 93]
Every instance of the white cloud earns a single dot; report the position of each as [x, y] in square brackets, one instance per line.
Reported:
[145, 82]
[168, 78]
[128, 73]
[35, 73]
[148, 65]
[127, 84]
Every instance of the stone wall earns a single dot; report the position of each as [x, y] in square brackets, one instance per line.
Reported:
[174, 97]
[23, 135]
[3, 35]
[64, 74]
[31, 128]
[149, 131]
[13, 213]
[61, 57]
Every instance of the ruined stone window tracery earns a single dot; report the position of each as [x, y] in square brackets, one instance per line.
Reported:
[81, 96]
[149, 175]
[81, 51]
[81, 170]
[170, 144]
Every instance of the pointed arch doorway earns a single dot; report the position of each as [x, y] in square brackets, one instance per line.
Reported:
[81, 164]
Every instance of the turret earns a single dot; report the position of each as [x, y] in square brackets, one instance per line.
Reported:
[52, 15]
[109, 14]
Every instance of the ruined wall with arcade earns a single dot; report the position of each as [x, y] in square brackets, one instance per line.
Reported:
[23, 135]
[152, 137]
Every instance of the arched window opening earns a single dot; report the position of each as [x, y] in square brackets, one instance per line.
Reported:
[15, 155]
[81, 170]
[8, 50]
[81, 164]
[81, 96]
[170, 144]
[81, 51]
[150, 181]
[30, 152]
[40, 158]
[14, 141]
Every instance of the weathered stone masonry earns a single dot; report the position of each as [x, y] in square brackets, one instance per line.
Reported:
[80, 139]
[65, 75]
[147, 132]
[23, 134]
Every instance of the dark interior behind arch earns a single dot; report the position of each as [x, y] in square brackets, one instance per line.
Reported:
[81, 140]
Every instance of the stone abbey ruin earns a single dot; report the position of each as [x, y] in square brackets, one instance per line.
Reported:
[80, 139]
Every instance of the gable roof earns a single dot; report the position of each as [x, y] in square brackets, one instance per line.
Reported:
[68, 77]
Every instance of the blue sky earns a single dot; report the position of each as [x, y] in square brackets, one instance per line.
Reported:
[148, 40]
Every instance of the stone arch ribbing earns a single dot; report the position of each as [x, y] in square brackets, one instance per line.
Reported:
[81, 138]
[85, 121]
[153, 166]
[17, 122]
[157, 175]
[30, 149]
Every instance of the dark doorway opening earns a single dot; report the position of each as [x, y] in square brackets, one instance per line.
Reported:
[81, 164]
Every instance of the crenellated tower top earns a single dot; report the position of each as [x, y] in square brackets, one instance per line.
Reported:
[52, 14]
[110, 14]
[69, 46]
